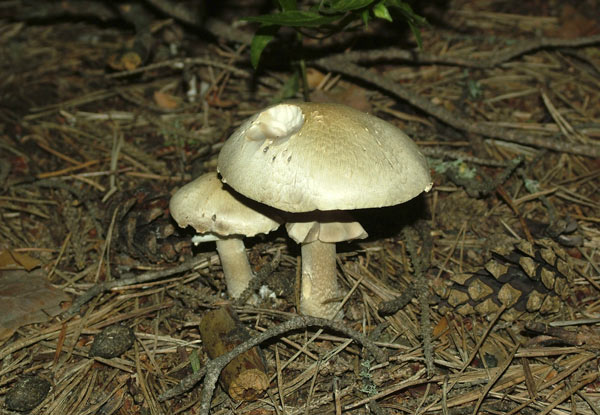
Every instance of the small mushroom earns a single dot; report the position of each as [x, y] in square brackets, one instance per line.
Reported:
[317, 157]
[220, 214]
[317, 233]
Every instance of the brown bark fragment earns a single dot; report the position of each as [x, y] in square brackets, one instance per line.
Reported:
[244, 378]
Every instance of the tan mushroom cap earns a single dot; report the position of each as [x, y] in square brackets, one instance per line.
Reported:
[314, 156]
[209, 207]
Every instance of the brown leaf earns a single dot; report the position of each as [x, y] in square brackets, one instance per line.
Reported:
[165, 100]
[576, 22]
[10, 259]
[26, 298]
[125, 61]
[314, 77]
[349, 94]
[441, 327]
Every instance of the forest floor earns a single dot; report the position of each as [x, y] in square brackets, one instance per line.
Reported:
[481, 296]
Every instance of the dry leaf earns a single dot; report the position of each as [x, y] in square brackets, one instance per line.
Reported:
[441, 327]
[216, 101]
[345, 93]
[314, 77]
[15, 260]
[26, 298]
[124, 61]
[576, 23]
[165, 100]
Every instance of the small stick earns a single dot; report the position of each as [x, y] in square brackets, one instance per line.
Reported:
[213, 368]
[340, 64]
[259, 279]
[336, 395]
[145, 277]
[493, 59]
[589, 339]
[510, 203]
[390, 307]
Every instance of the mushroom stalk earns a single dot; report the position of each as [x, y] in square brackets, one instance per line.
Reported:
[236, 267]
[319, 280]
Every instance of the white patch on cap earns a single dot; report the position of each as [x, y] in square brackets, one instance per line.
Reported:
[280, 121]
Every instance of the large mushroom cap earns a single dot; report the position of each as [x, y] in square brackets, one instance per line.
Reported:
[313, 156]
[209, 207]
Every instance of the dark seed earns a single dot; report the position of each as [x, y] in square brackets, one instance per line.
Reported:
[113, 341]
[27, 393]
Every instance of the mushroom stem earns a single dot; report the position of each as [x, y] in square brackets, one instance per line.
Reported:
[236, 267]
[319, 279]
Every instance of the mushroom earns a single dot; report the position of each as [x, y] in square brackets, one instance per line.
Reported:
[220, 214]
[317, 233]
[324, 159]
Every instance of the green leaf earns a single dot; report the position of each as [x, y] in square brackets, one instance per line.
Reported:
[407, 12]
[417, 34]
[382, 12]
[414, 20]
[261, 39]
[288, 5]
[195, 361]
[347, 5]
[289, 89]
[293, 18]
[365, 16]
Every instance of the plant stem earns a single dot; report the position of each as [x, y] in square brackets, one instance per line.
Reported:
[302, 67]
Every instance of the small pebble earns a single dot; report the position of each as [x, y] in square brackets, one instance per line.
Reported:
[113, 341]
[27, 393]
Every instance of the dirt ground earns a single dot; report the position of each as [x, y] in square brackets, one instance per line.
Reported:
[480, 296]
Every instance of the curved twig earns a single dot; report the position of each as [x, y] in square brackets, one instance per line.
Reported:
[213, 368]
[339, 63]
[495, 58]
[142, 278]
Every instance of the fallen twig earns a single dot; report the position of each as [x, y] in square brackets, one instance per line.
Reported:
[259, 279]
[421, 263]
[182, 12]
[390, 307]
[213, 368]
[481, 185]
[340, 64]
[495, 58]
[583, 337]
[181, 63]
[145, 277]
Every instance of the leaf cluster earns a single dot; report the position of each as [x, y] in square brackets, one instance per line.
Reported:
[327, 18]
